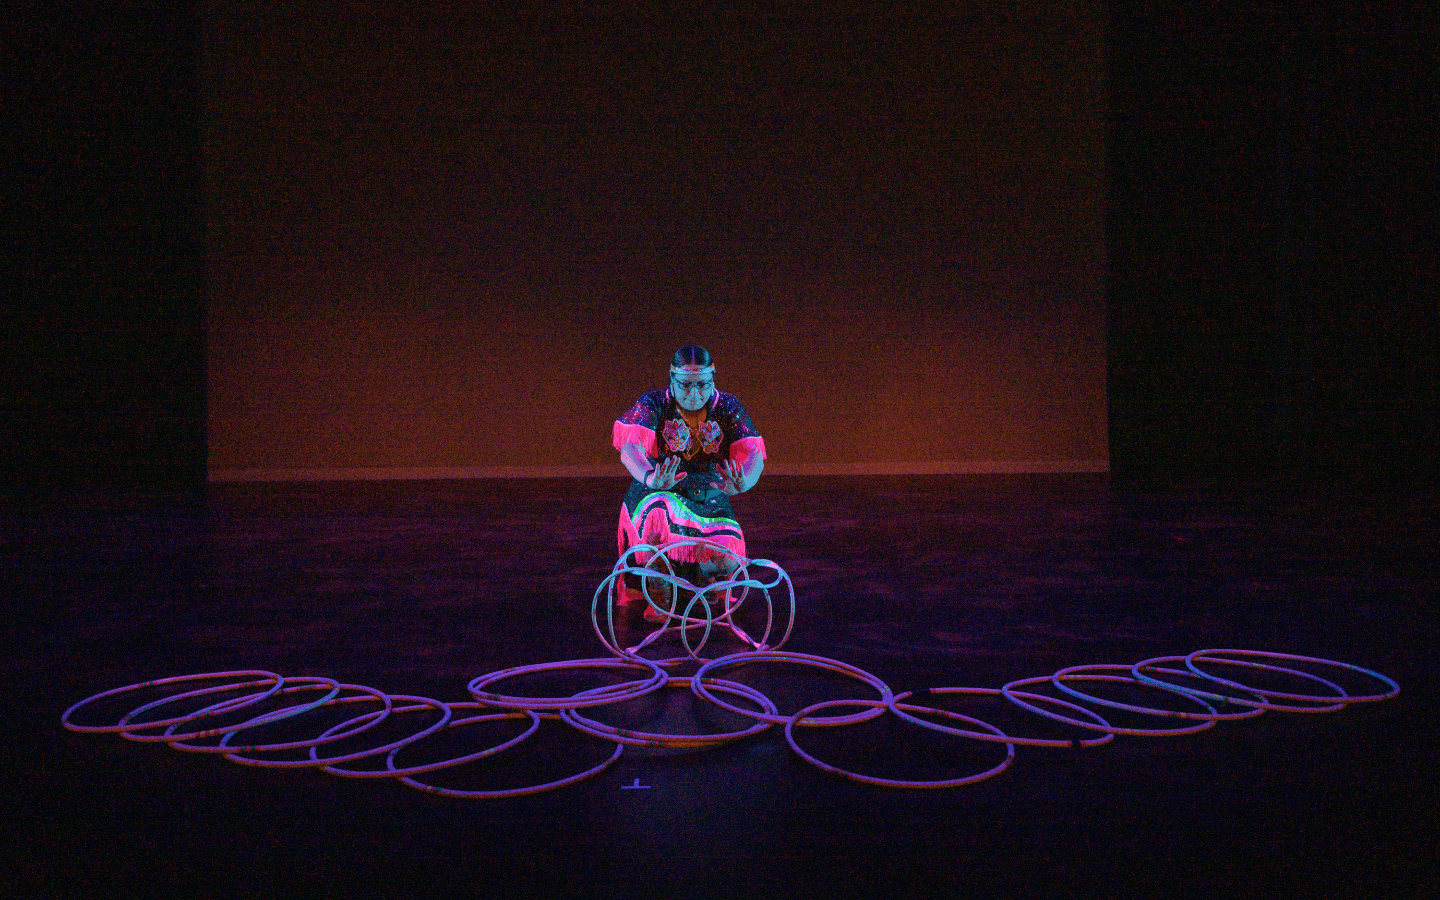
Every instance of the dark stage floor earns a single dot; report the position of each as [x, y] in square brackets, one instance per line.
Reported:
[416, 588]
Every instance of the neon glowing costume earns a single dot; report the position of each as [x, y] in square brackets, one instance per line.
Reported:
[696, 506]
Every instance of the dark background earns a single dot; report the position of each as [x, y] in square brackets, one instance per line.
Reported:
[1271, 258]
[1271, 265]
[432, 229]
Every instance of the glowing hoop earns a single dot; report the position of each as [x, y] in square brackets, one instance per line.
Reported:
[1148, 673]
[168, 736]
[236, 754]
[1253, 707]
[880, 706]
[515, 792]
[638, 738]
[697, 684]
[609, 694]
[418, 704]
[1216, 656]
[904, 710]
[1082, 673]
[728, 602]
[250, 699]
[1307, 704]
[1011, 695]
[469, 757]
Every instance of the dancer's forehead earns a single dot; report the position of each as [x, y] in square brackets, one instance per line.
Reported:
[692, 373]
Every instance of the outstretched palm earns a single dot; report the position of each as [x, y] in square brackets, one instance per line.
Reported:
[732, 477]
[666, 475]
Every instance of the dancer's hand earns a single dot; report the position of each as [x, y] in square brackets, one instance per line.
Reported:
[732, 477]
[663, 477]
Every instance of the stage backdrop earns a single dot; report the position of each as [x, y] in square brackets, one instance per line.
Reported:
[461, 239]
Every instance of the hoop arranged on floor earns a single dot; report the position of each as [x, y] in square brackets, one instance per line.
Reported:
[610, 694]
[910, 713]
[699, 613]
[415, 783]
[1091, 673]
[1014, 697]
[638, 738]
[275, 681]
[699, 686]
[1146, 670]
[881, 706]
[418, 704]
[391, 769]
[237, 754]
[181, 741]
[1217, 656]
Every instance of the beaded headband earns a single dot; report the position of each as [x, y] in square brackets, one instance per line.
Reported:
[708, 370]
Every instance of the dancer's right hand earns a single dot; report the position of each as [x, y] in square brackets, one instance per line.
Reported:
[663, 477]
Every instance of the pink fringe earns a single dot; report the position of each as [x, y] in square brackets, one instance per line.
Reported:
[657, 531]
[622, 434]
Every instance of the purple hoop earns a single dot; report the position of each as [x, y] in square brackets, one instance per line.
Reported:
[469, 757]
[177, 741]
[1080, 673]
[704, 686]
[236, 754]
[215, 709]
[882, 705]
[515, 792]
[636, 738]
[1252, 708]
[697, 684]
[1316, 704]
[275, 682]
[419, 704]
[609, 694]
[1344, 698]
[1011, 695]
[903, 710]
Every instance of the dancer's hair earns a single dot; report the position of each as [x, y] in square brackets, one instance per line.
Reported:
[691, 355]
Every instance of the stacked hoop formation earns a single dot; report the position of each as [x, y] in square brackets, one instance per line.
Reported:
[221, 709]
[690, 607]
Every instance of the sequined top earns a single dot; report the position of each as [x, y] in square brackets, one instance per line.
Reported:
[656, 424]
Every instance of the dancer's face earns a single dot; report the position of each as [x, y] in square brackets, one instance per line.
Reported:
[692, 388]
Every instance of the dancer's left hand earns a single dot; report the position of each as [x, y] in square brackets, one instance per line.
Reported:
[732, 477]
